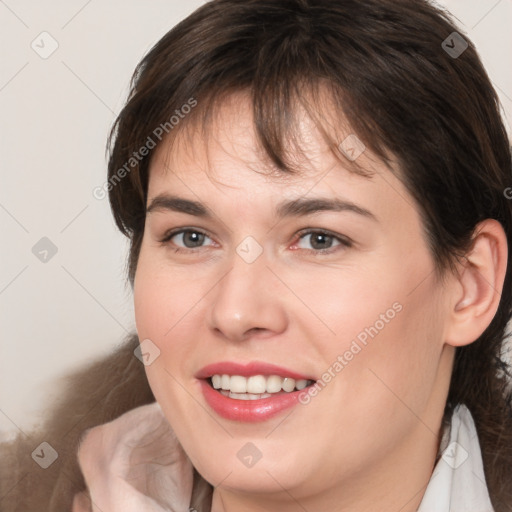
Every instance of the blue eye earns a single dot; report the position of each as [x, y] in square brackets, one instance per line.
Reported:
[189, 238]
[322, 241]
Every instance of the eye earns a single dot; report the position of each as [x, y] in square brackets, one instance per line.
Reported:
[321, 241]
[185, 239]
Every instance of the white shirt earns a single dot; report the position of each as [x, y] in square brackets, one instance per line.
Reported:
[458, 482]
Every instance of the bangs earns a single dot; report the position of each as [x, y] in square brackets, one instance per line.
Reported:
[278, 117]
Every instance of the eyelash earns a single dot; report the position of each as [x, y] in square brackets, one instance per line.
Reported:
[343, 241]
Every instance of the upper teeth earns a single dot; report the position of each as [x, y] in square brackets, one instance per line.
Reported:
[257, 384]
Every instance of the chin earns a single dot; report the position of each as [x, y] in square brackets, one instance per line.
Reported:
[255, 480]
[256, 467]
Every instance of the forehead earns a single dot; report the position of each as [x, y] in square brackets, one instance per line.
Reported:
[227, 151]
[225, 170]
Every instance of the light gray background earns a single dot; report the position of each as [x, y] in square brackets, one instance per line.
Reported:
[55, 116]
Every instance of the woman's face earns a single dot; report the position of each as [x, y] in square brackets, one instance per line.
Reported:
[325, 275]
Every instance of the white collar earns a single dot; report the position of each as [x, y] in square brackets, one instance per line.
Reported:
[458, 481]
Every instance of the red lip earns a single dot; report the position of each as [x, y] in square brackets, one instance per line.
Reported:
[252, 368]
[248, 410]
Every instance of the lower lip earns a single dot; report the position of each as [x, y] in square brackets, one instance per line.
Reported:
[248, 410]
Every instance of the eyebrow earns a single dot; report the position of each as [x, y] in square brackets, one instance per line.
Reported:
[294, 208]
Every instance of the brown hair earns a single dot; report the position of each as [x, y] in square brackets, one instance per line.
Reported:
[402, 93]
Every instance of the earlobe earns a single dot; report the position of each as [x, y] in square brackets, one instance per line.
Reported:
[478, 285]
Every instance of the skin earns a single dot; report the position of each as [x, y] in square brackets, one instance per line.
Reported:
[371, 435]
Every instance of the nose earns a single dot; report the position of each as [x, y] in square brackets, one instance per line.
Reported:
[248, 300]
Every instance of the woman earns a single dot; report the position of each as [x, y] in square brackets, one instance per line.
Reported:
[315, 195]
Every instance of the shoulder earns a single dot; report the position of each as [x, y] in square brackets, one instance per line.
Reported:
[96, 394]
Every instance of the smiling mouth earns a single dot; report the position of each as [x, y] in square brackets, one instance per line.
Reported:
[256, 387]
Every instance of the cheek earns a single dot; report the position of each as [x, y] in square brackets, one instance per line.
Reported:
[387, 332]
[396, 368]
[167, 306]
[163, 298]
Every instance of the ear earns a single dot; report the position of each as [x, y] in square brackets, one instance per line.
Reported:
[477, 287]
